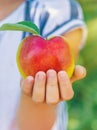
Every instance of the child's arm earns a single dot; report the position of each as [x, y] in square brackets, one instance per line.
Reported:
[37, 108]
[39, 97]
[34, 112]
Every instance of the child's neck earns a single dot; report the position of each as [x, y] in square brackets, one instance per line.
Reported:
[7, 7]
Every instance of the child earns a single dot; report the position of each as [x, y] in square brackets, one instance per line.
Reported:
[30, 106]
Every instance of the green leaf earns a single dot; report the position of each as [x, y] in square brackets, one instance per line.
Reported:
[25, 26]
[30, 24]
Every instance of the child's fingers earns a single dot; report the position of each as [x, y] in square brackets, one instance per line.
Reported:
[38, 94]
[66, 91]
[79, 73]
[27, 85]
[52, 90]
[45, 87]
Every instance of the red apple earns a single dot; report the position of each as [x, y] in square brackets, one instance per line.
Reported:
[37, 54]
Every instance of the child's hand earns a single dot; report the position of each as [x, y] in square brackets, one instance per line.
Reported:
[51, 87]
[46, 88]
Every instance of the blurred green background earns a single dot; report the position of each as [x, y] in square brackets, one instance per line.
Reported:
[83, 107]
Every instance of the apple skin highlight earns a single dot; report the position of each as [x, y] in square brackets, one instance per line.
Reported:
[37, 54]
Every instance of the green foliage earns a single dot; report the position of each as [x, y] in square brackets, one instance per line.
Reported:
[83, 107]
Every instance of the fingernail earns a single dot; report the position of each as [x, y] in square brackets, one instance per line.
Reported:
[30, 79]
[40, 75]
[51, 73]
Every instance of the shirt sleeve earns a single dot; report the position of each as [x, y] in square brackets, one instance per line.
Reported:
[56, 18]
